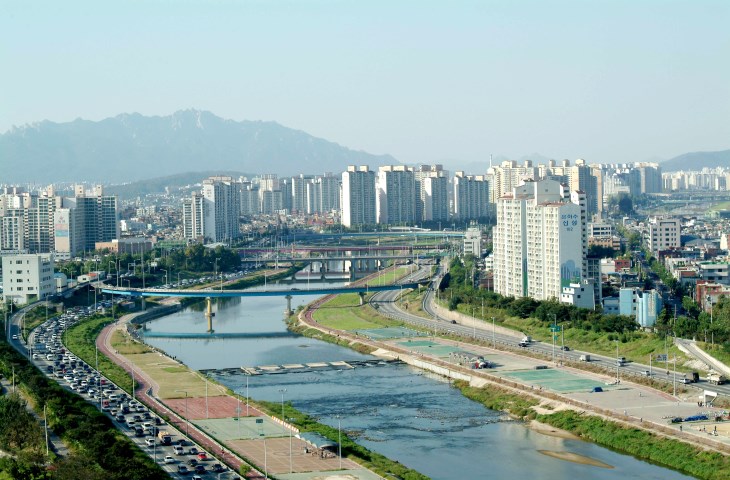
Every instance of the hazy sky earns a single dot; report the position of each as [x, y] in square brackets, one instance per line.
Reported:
[424, 81]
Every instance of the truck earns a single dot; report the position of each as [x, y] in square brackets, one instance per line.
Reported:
[525, 342]
[165, 437]
[694, 377]
[585, 358]
[715, 378]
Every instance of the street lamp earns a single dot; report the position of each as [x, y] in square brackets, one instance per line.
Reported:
[494, 334]
[282, 391]
[617, 362]
[187, 421]
[164, 270]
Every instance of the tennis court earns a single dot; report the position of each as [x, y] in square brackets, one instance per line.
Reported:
[226, 429]
[389, 332]
[428, 347]
[555, 380]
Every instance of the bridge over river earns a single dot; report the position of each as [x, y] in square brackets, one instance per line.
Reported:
[210, 293]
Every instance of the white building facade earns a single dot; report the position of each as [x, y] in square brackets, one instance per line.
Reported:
[358, 196]
[27, 276]
[539, 241]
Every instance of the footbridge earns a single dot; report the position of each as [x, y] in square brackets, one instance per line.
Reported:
[209, 293]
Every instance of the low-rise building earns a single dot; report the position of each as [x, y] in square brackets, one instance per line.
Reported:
[27, 277]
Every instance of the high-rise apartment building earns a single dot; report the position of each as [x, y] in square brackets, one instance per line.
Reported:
[539, 241]
[471, 196]
[358, 196]
[664, 234]
[395, 200]
[432, 193]
[223, 199]
[212, 215]
[509, 175]
[80, 222]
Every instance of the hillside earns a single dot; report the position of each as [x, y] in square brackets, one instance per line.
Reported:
[132, 147]
[697, 161]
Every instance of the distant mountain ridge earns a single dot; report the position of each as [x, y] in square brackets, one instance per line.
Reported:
[132, 147]
[697, 161]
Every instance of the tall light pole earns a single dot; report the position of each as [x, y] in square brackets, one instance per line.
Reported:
[282, 391]
[552, 333]
[187, 421]
[494, 334]
[617, 362]
[339, 440]
[164, 270]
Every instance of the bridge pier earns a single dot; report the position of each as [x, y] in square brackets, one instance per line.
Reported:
[362, 298]
[289, 312]
[209, 314]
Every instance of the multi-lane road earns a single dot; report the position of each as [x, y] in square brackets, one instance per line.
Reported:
[126, 413]
[386, 303]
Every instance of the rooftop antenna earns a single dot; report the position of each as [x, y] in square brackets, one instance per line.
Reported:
[490, 160]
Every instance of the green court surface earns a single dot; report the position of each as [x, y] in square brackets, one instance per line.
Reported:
[390, 332]
[556, 380]
[335, 475]
[247, 428]
[431, 348]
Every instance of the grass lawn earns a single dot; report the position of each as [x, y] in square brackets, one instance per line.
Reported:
[716, 351]
[721, 206]
[344, 312]
[166, 372]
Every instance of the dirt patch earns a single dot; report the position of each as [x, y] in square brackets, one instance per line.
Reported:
[551, 431]
[575, 458]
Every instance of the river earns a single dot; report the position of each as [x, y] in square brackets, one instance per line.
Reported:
[397, 410]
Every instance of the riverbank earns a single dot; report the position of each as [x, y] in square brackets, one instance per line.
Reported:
[660, 444]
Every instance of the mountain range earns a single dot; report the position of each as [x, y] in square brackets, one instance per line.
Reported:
[132, 147]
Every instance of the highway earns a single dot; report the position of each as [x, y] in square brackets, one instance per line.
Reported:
[164, 455]
[386, 304]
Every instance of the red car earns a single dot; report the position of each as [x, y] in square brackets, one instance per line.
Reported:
[202, 456]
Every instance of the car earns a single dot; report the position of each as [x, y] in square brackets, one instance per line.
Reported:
[685, 380]
[170, 459]
[217, 468]
[202, 456]
[192, 462]
[150, 442]
[200, 469]
[565, 348]
[15, 337]
[193, 451]
[178, 450]
[197, 477]
[646, 373]
[182, 469]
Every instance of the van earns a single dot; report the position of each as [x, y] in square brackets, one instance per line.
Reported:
[585, 358]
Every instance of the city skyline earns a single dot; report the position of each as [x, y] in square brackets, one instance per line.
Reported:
[426, 83]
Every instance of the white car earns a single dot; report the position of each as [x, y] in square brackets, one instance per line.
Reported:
[169, 459]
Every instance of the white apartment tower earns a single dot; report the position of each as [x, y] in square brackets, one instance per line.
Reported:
[194, 217]
[664, 234]
[358, 196]
[396, 195]
[471, 196]
[539, 241]
[222, 197]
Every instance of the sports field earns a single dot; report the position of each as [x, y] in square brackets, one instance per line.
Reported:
[227, 429]
[430, 348]
[390, 332]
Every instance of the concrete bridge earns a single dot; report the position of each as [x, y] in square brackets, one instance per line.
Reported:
[209, 293]
[356, 266]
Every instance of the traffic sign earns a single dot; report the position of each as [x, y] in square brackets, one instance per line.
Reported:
[661, 357]
[555, 328]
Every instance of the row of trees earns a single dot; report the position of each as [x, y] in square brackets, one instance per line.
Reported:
[194, 259]
[101, 451]
[458, 286]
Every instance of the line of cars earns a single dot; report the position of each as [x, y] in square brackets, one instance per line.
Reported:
[142, 426]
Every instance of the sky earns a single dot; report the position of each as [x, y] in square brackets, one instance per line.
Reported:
[427, 82]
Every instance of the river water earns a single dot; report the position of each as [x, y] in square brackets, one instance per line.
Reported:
[397, 410]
